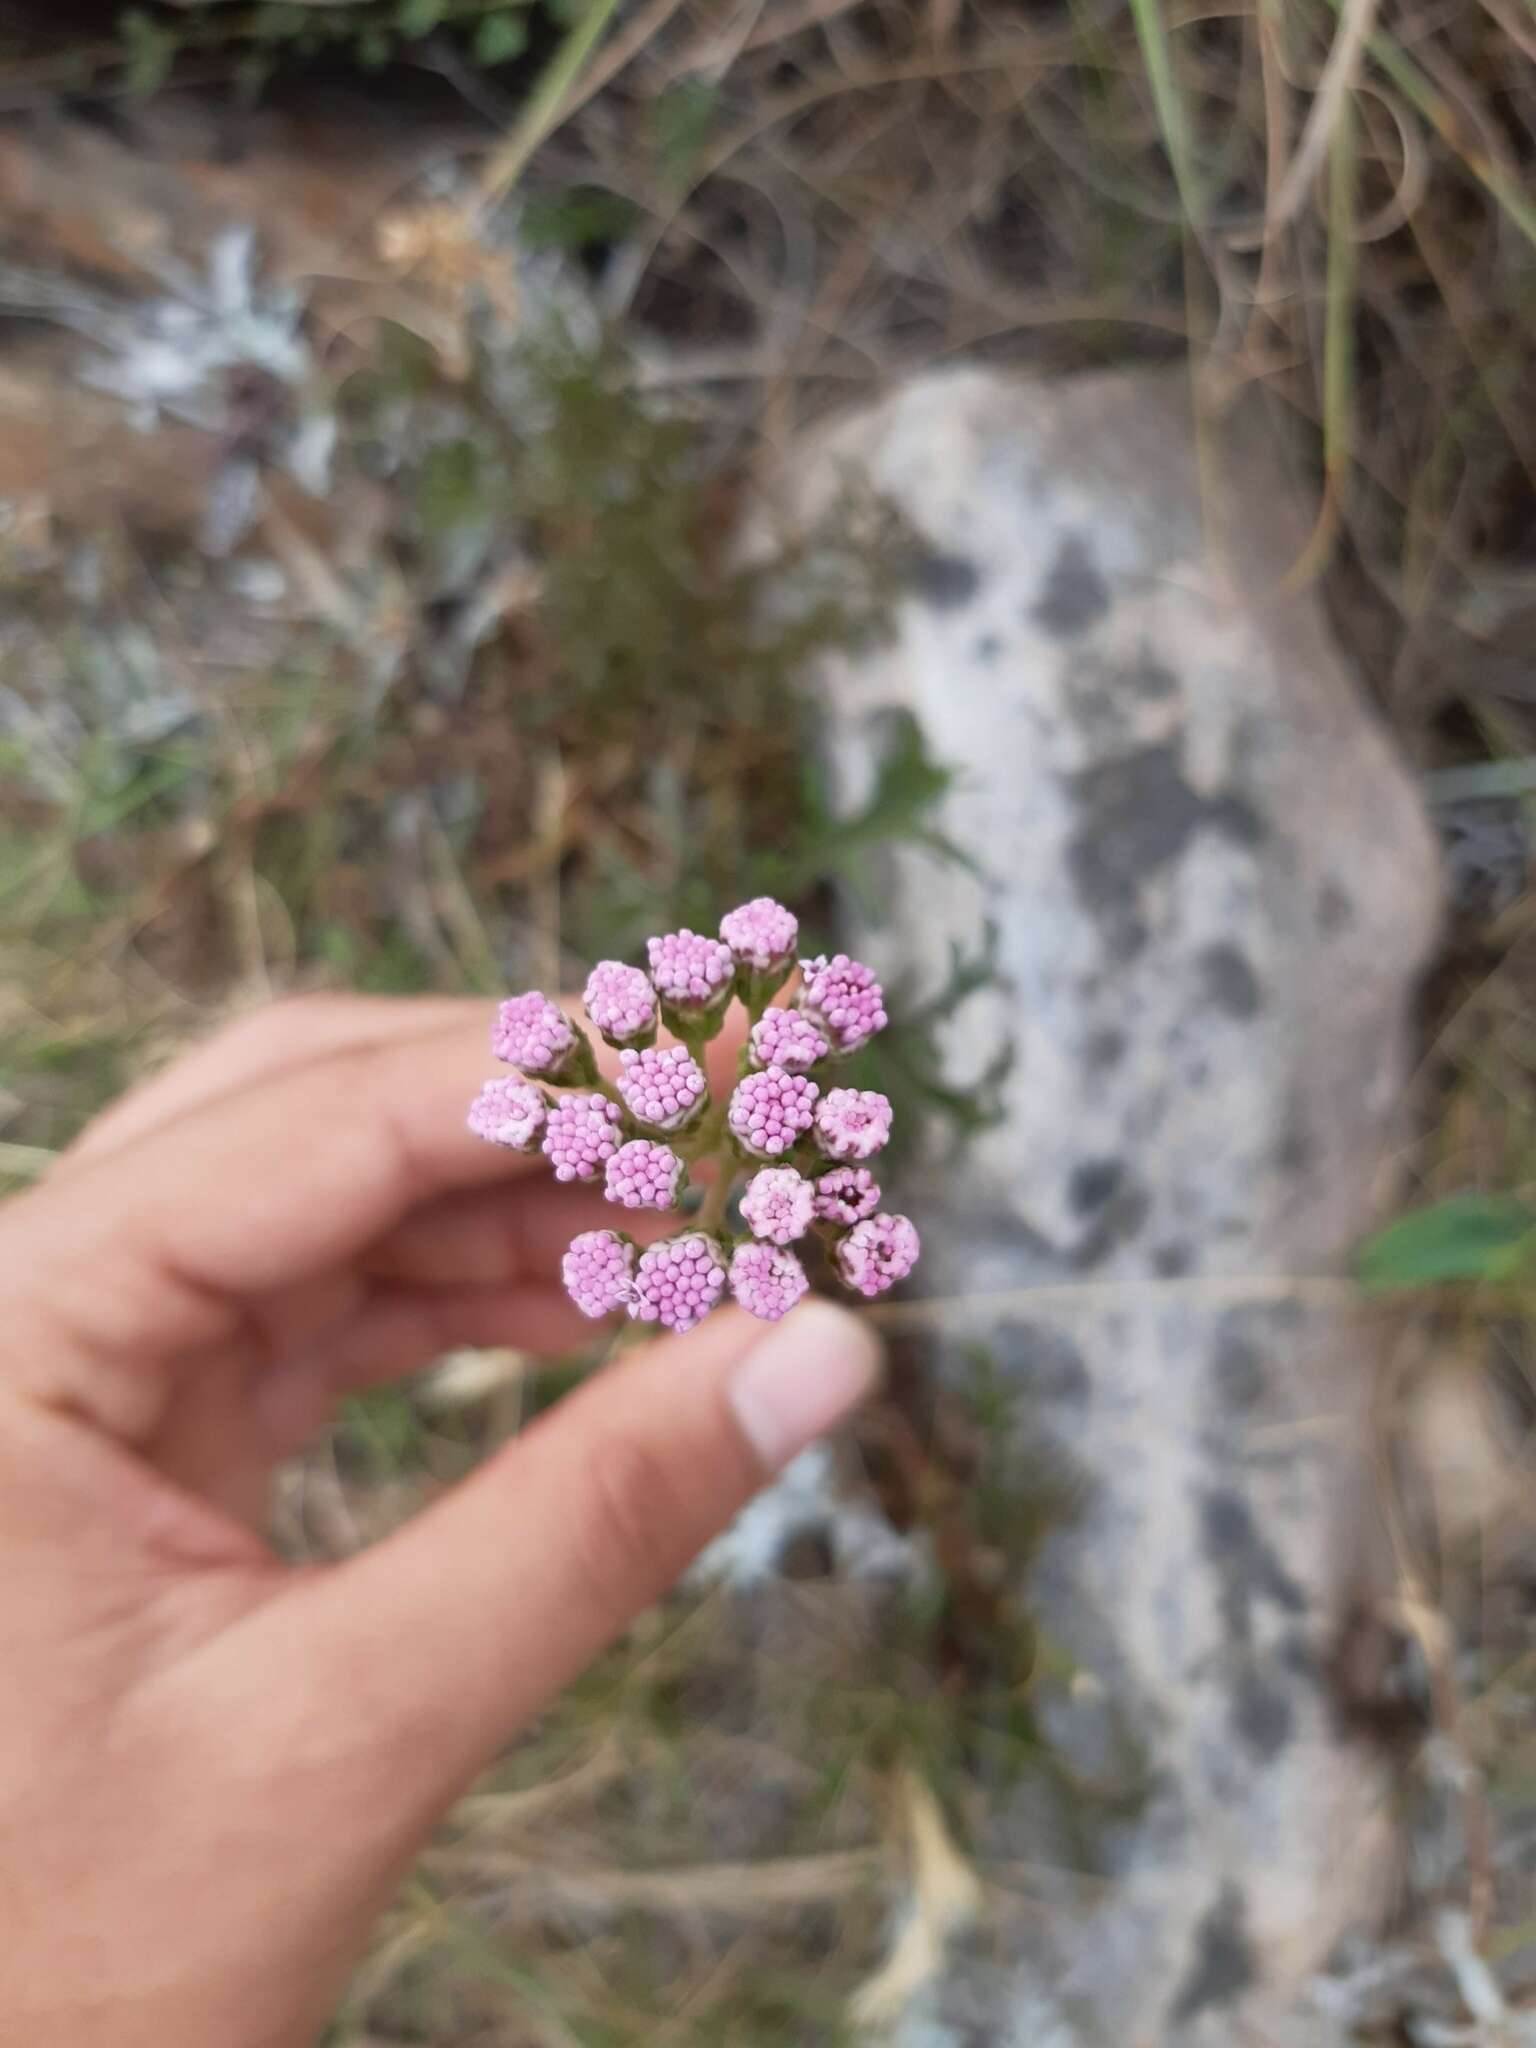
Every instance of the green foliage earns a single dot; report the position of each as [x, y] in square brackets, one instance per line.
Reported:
[148, 53]
[1468, 1238]
[451, 492]
[580, 218]
[681, 120]
[500, 37]
[373, 33]
[907, 1061]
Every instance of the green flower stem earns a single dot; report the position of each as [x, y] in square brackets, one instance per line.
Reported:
[717, 1197]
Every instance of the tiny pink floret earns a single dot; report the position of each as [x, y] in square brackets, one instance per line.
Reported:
[877, 1253]
[788, 1039]
[779, 1204]
[761, 934]
[844, 998]
[678, 1281]
[846, 1195]
[508, 1112]
[621, 1002]
[643, 1175]
[771, 1111]
[690, 971]
[533, 1033]
[853, 1123]
[766, 1280]
[663, 1087]
[583, 1133]
[598, 1271]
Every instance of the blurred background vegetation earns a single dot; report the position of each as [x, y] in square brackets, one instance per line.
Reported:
[389, 386]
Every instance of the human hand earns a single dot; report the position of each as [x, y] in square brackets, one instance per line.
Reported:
[214, 1769]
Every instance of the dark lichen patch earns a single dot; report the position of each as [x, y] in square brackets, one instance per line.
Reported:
[1297, 1150]
[1119, 1220]
[1092, 1183]
[1104, 1048]
[1074, 593]
[1136, 815]
[1262, 1716]
[1335, 908]
[1150, 680]
[807, 1552]
[1300, 1659]
[1172, 1261]
[1228, 982]
[1246, 1568]
[1238, 1370]
[942, 580]
[1223, 1966]
[1043, 1362]
[987, 649]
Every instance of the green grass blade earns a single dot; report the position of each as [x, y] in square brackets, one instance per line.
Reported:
[544, 106]
[1172, 116]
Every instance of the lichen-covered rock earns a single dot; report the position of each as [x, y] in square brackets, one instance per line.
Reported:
[1213, 888]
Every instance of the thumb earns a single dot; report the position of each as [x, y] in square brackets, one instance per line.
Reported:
[466, 1622]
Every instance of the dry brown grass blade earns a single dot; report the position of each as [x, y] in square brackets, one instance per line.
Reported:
[1356, 21]
[737, 1888]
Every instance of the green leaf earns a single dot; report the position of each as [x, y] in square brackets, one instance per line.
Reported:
[278, 22]
[680, 123]
[500, 37]
[416, 18]
[148, 53]
[450, 492]
[373, 47]
[578, 219]
[1467, 1237]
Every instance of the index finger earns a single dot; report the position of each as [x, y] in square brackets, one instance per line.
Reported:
[155, 1250]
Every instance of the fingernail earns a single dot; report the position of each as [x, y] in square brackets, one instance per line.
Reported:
[810, 1371]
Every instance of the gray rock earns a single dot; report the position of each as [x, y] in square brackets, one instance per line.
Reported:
[1213, 886]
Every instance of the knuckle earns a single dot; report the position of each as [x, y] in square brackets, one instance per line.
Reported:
[627, 1520]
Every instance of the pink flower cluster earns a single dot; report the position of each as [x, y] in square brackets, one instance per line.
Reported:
[678, 1281]
[844, 998]
[582, 1132]
[533, 1033]
[644, 1175]
[621, 1003]
[690, 972]
[663, 1087]
[639, 1128]
[787, 1039]
[771, 1111]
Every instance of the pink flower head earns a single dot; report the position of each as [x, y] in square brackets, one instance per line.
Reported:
[765, 1280]
[788, 1039]
[852, 1123]
[663, 1087]
[533, 1033]
[582, 1133]
[770, 1111]
[779, 1204]
[621, 1002]
[598, 1272]
[846, 1195]
[761, 934]
[877, 1253]
[508, 1112]
[644, 1175]
[678, 1281]
[691, 973]
[844, 998]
